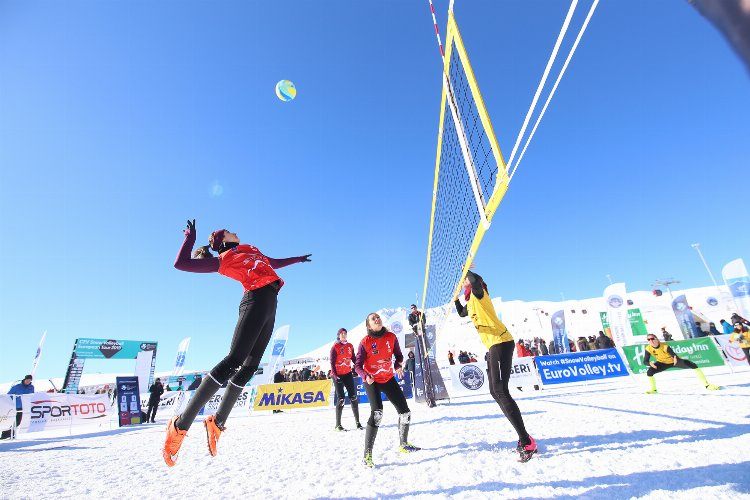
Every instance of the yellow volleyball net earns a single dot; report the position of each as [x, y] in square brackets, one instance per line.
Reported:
[471, 177]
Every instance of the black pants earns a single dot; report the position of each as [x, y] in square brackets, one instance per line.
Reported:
[499, 365]
[392, 391]
[254, 328]
[345, 381]
[151, 413]
[746, 350]
[660, 367]
[9, 433]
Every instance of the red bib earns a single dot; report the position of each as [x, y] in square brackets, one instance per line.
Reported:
[247, 265]
[344, 355]
[378, 361]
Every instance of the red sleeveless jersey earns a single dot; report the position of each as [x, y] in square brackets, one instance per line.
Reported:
[249, 266]
[378, 359]
[344, 356]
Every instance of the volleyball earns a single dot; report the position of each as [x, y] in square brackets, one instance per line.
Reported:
[285, 90]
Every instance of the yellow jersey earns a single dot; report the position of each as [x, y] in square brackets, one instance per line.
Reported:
[491, 330]
[742, 337]
[661, 353]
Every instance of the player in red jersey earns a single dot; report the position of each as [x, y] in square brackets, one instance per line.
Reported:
[342, 356]
[257, 315]
[375, 365]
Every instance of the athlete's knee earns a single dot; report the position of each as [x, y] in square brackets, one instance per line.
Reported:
[244, 374]
[226, 369]
[405, 417]
[375, 418]
[340, 403]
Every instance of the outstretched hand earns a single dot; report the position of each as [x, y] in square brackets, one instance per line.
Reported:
[306, 258]
[190, 227]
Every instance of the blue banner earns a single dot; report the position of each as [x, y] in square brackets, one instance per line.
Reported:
[580, 366]
[405, 384]
[685, 318]
[128, 401]
[559, 333]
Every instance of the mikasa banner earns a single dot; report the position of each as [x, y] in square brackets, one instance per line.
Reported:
[471, 378]
[617, 313]
[44, 411]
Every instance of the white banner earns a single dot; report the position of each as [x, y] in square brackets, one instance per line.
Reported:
[176, 401]
[143, 369]
[276, 359]
[738, 282]
[179, 363]
[43, 411]
[471, 378]
[615, 297]
[735, 355]
[38, 354]
[7, 412]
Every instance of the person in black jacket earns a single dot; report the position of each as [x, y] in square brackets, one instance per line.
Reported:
[279, 378]
[417, 320]
[603, 342]
[156, 390]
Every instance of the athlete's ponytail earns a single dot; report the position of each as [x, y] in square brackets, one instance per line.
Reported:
[203, 252]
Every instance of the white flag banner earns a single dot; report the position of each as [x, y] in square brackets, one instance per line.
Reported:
[7, 412]
[733, 351]
[738, 282]
[38, 354]
[44, 411]
[472, 378]
[615, 296]
[276, 360]
[179, 363]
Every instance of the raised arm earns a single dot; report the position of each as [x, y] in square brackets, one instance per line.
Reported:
[184, 262]
[462, 310]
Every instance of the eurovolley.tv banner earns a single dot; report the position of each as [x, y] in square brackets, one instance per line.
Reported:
[701, 351]
[685, 318]
[580, 366]
[559, 332]
[736, 278]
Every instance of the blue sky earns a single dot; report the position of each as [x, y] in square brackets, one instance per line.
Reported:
[118, 120]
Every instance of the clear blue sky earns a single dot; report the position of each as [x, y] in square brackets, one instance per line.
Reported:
[119, 119]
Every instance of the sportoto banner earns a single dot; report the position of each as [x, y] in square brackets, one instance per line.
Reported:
[701, 351]
[735, 355]
[292, 395]
[580, 366]
[44, 411]
[472, 378]
[7, 412]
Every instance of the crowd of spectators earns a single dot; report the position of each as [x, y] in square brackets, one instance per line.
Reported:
[463, 357]
[304, 374]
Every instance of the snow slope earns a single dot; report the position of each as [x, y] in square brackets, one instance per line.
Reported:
[605, 440]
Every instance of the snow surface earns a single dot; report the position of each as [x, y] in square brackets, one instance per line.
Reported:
[604, 440]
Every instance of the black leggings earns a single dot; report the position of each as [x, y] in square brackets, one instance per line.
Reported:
[746, 350]
[499, 364]
[251, 336]
[341, 382]
[660, 367]
[392, 391]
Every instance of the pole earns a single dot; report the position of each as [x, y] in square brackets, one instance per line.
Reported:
[609, 277]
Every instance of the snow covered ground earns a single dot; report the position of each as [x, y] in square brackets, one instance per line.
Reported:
[607, 440]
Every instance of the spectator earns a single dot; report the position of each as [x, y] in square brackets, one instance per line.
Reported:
[736, 318]
[410, 360]
[463, 357]
[543, 347]
[582, 344]
[472, 358]
[592, 343]
[450, 358]
[571, 346]
[521, 350]
[602, 341]
[665, 334]
[279, 378]
[726, 327]
[712, 329]
[741, 334]
[417, 320]
[552, 347]
[25, 387]
[699, 330]
[155, 392]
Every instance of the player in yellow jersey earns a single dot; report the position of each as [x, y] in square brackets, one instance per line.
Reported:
[475, 302]
[664, 359]
[741, 334]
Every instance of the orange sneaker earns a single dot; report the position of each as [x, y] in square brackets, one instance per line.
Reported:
[213, 433]
[172, 443]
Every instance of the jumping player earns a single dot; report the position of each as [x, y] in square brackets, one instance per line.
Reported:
[342, 357]
[498, 340]
[375, 365]
[664, 359]
[257, 314]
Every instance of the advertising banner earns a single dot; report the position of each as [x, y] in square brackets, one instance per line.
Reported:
[276, 360]
[735, 355]
[404, 383]
[685, 318]
[736, 278]
[169, 400]
[580, 366]
[7, 412]
[637, 325]
[128, 401]
[428, 382]
[289, 395]
[44, 411]
[617, 313]
[179, 362]
[701, 351]
[38, 354]
[472, 378]
[559, 332]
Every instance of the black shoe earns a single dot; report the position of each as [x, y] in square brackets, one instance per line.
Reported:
[359, 427]
[339, 429]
